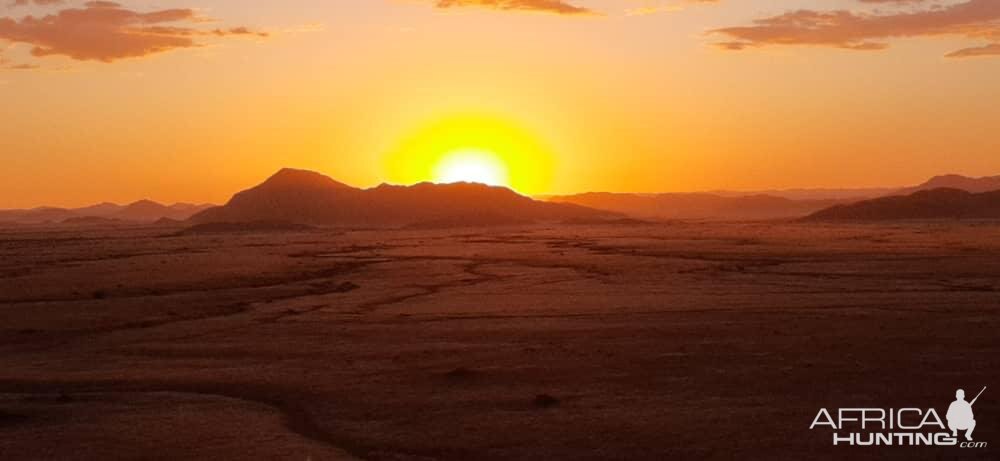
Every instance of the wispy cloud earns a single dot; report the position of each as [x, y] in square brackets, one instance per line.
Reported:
[892, 1]
[993, 49]
[35, 2]
[650, 10]
[647, 8]
[106, 31]
[561, 7]
[974, 19]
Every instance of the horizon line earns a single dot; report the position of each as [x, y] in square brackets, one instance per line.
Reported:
[537, 196]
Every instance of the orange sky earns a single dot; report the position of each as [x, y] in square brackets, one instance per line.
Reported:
[194, 100]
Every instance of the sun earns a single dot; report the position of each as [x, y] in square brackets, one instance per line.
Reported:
[472, 165]
[475, 148]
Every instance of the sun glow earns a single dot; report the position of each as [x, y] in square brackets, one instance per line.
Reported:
[471, 165]
[472, 148]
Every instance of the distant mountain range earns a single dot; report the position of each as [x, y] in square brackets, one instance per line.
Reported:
[299, 197]
[143, 211]
[943, 203]
[812, 194]
[698, 205]
[954, 181]
[305, 197]
[778, 204]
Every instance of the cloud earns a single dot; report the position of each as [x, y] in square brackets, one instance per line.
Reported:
[649, 8]
[35, 2]
[993, 49]
[975, 19]
[568, 7]
[562, 7]
[106, 31]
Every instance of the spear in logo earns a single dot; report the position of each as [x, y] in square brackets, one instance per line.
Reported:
[973, 402]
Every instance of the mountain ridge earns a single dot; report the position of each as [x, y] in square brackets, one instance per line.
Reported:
[777, 204]
[698, 205]
[303, 197]
[933, 204]
[297, 190]
[140, 211]
[955, 181]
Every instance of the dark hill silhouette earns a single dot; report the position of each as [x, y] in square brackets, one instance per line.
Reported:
[289, 195]
[101, 210]
[812, 193]
[142, 211]
[698, 205]
[149, 211]
[929, 204]
[312, 198]
[306, 197]
[795, 203]
[291, 178]
[954, 181]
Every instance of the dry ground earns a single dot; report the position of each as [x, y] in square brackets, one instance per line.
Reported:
[662, 341]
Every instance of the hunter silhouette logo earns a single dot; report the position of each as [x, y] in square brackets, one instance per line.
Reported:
[902, 426]
[960, 416]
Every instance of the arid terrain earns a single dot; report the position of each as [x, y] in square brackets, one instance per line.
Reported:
[552, 342]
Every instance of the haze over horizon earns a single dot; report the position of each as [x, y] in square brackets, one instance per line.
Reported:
[968, 183]
[202, 98]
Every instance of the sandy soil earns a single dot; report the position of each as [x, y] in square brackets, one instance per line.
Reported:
[662, 341]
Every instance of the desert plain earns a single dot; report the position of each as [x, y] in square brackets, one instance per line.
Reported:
[626, 341]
